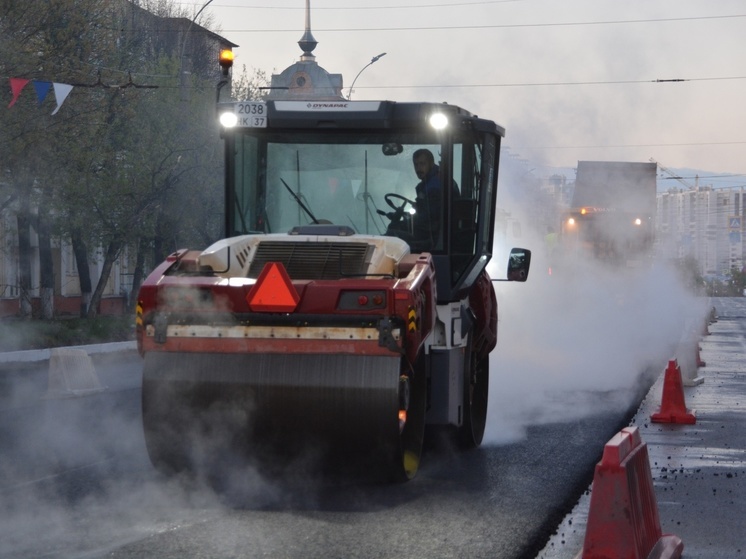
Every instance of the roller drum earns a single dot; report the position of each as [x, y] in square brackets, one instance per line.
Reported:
[339, 412]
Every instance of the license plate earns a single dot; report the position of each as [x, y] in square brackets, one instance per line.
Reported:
[251, 114]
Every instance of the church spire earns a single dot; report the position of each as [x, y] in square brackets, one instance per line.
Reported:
[306, 79]
[307, 43]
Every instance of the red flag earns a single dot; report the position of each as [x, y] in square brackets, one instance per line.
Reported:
[16, 86]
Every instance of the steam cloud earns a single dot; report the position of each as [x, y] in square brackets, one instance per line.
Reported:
[569, 344]
[579, 341]
[75, 475]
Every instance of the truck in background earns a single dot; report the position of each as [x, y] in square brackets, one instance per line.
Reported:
[611, 218]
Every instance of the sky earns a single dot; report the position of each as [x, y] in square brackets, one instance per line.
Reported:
[571, 80]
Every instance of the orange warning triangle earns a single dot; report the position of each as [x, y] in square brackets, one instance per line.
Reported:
[273, 290]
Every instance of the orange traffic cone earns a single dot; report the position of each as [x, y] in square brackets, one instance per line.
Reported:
[623, 521]
[673, 408]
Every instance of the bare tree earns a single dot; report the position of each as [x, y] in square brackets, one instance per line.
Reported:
[122, 167]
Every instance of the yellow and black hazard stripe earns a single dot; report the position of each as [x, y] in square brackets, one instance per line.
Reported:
[412, 320]
[138, 315]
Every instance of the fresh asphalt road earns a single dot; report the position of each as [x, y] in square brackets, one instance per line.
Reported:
[76, 482]
[75, 479]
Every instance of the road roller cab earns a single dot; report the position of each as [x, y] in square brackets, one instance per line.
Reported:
[331, 319]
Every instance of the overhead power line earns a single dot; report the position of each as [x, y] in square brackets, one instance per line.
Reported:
[486, 85]
[534, 84]
[614, 146]
[376, 7]
[494, 26]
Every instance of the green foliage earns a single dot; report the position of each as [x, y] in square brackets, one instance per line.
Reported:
[18, 335]
[737, 281]
[732, 285]
[124, 166]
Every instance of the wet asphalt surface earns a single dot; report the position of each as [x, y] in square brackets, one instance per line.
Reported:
[75, 481]
[698, 470]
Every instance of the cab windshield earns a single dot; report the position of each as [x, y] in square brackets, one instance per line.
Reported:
[279, 181]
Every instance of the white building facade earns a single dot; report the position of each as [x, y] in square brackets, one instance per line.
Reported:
[705, 224]
[67, 294]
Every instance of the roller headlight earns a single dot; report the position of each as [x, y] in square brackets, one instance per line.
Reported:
[438, 121]
[228, 119]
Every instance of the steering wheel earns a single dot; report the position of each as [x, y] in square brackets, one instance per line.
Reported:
[400, 221]
[402, 224]
[400, 208]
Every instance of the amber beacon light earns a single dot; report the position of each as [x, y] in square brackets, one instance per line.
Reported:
[226, 60]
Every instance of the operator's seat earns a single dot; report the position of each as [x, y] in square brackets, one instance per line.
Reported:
[463, 226]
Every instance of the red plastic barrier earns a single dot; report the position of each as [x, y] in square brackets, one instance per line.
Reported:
[673, 407]
[623, 520]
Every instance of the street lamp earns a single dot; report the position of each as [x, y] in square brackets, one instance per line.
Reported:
[372, 60]
[183, 47]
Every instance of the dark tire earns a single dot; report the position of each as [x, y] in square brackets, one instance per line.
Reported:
[162, 436]
[476, 395]
[407, 457]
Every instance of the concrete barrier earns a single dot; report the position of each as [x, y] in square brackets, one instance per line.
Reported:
[687, 352]
[71, 374]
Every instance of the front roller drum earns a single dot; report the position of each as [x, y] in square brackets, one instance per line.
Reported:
[342, 413]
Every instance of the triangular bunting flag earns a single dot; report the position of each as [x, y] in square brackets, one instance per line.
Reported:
[61, 91]
[16, 86]
[42, 88]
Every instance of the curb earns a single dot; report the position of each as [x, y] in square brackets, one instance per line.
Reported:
[39, 356]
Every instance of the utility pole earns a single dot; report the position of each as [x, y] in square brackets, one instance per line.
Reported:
[185, 73]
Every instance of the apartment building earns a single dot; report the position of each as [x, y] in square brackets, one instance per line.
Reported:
[703, 223]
